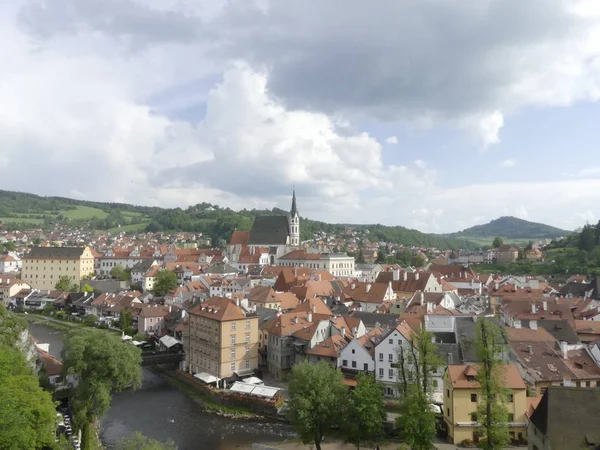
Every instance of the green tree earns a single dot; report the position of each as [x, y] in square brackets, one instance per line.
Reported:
[140, 442]
[418, 261]
[360, 259]
[363, 413]
[125, 320]
[103, 365]
[27, 413]
[316, 393]
[417, 365]
[64, 284]
[117, 272]
[165, 282]
[492, 413]
[587, 238]
[498, 241]
[87, 288]
[90, 320]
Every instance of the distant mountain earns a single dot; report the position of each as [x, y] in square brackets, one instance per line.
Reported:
[511, 228]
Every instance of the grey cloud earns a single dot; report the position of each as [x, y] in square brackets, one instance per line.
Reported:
[396, 59]
[125, 19]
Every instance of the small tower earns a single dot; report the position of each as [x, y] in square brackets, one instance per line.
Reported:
[294, 220]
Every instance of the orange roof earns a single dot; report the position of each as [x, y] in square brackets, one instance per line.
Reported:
[315, 305]
[218, 308]
[458, 376]
[330, 347]
[240, 237]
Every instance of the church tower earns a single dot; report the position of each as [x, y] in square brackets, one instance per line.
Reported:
[294, 220]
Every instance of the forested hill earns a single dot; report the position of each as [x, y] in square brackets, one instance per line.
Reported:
[19, 210]
[512, 228]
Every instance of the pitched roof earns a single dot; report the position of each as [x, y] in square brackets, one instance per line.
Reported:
[314, 305]
[560, 329]
[262, 294]
[459, 374]
[569, 417]
[367, 292]
[269, 230]
[55, 253]
[330, 347]
[218, 308]
[240, 237]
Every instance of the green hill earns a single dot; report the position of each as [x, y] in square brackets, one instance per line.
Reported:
[19, 210]
[511, 229]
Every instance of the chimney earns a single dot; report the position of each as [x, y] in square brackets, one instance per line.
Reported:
[533, 324]
[404, 276]
[416, 276]
[395, 274]
[450, 360]
[319, 277]
[355, 330]
[429, 307]
[533, 308]
[237, 301]
[563, 348]
[169, 308]
[343, 332]
[530, 349]
[368, 288]
[309, 316]
[353, 286]
[545, 303]
[314, 308]
[295, 272]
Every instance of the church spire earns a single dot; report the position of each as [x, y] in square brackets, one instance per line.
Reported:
[294, 210]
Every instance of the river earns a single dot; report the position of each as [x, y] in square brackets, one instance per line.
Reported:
[163, 412]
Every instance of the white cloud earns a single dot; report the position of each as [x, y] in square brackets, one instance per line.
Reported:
[586, 172]
[91, 103]
[508, 163]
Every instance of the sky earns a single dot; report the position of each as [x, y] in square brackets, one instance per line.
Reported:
[435, 115]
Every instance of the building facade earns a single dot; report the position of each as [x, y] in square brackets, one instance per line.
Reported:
[338, 264]
[223, 339]
[44, 266]
[461, 400]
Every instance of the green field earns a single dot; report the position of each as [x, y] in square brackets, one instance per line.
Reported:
[84, 212]
[131, 228]
[20, 220]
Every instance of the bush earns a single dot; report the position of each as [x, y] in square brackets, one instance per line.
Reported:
[90, 320]
[60, 315]
[140, 337]
[103, 326]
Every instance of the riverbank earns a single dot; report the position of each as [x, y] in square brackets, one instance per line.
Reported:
[63, 325]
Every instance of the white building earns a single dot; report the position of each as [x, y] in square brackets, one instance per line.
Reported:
[386, 357]
[338, 264]
[10, 263]
[359, 354]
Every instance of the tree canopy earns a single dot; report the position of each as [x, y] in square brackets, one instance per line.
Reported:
[165, 282]
[363, 412]
[316, 393]
[64, 284]
[103, 365]
[492, 412]
[498, 241]
[27, 412]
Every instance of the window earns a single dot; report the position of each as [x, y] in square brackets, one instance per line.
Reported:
[233, 324]
[448, 412]
[381, 372]
[510, 398]
[233, 367]
[354, 364]
[391, 341]
[474, 398]
[247, 351]
[390, 373]
[345, 363]
[365, 367]
[247, 364]
[247, 338]
[233, 339]
[435, 383]
[588, 384]
[511, 417]
[390, 357]
[247, 324]
[353, 351]
[381, 357]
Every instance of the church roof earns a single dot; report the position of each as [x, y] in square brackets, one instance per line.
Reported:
[294, 210]
[269, 230]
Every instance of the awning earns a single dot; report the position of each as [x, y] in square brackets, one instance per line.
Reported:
[206, 377]
[253, 380]
[251, 389]
[243, 372]
[169, 341]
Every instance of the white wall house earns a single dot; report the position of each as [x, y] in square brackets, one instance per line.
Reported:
[356, 355]
[386, 357]
[338, 264]
[10, 263]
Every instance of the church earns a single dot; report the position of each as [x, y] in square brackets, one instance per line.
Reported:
[269, 238]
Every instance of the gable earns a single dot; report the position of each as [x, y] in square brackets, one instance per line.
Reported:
[269, 230]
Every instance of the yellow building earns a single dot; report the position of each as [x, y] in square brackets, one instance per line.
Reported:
[223, 339]
[462, 396]
[43, 266]
[9, 286]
